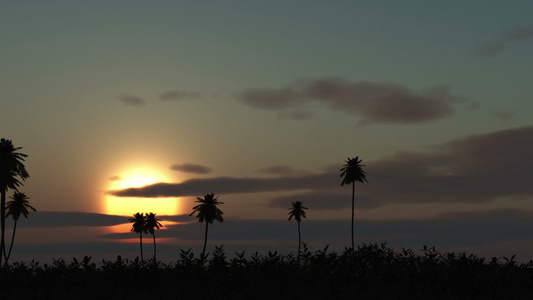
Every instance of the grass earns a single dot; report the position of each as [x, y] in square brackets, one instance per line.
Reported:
[372, 271]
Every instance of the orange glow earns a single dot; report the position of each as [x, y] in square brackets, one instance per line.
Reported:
[127, 206]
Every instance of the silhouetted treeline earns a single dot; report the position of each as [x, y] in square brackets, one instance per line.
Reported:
[370, 272]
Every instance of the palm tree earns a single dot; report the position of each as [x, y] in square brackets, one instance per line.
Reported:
[353, 171]
[16, 207]
[297, 211]
[207, 211]
[151, 224]
[11, 167]
[138, 227]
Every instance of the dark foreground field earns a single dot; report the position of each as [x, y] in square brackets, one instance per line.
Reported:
[370, 272]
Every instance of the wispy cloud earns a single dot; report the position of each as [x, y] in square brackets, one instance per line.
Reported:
[503, 115]
[497, 46]
[371, 102]
[278, 170]
[518, 34]
[131, 100]
[473, 169]
[176, 95]
[115, 178]
[191, 168]
[490, 49]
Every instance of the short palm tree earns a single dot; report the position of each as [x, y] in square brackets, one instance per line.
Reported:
[151, 224]
[16, 207]
[11, 167]
[138, 221]
[353, 171]
[297, 211]
[207, 211]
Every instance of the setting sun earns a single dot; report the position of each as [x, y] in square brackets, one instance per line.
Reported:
[130, 205]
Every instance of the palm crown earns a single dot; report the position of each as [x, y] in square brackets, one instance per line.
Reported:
[11, 164]
[138, 223]
[353, 171]
[297, 211]
[18, 206]
[207, 210]
[151, 223]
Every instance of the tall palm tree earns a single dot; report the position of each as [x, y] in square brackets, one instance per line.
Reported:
[16, 207]
[138, 221]
[297, 211]
[353, 171]
[207, 211]
[151, 224]
[11, 167]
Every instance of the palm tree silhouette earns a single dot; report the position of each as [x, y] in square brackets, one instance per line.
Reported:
[151, 224]
[298, 212]
[16, 207]
[11, 167]
[352, 172]
[138, 227]
[207, 211]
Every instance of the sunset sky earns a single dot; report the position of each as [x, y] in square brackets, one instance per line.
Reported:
[261, 103]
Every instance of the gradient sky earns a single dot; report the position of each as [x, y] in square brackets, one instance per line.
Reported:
[261, 103]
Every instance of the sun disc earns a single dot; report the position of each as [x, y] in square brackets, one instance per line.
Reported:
[127, 206]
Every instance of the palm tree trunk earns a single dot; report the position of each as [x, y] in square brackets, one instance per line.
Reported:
[12, 241]
[153, 234]
[141, 242]
[205, 239]
[353, 195]
[299, 240]
[3, 223]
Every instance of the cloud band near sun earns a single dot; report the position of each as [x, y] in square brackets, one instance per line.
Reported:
[474, 169]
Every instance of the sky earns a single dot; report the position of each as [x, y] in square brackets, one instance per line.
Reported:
[142, 106]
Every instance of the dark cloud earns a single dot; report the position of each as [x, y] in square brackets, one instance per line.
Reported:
[295, 115]
[191, 168]
[449, 229]
[453, 230]
[131, 100]
[228, 185]
[177, 95]
[326, 200]
[510, 35]
[115, 178]
[372, 102]
[70, 219]
[73, 219]
[490, 49]
[474, 169]
[518, 34]
[503, 115]
[278, 170]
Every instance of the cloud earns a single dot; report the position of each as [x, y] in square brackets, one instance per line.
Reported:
[278, 170]
[473, 169]
[448, 229]
[295, 115]
[503, 115]
[518, 34]
[70, 219]
[490, 49]
[115, 178]
[371, 102]
[74, 219]
[496, 47]
[131, 100]
[191, 168]
[175, 95]
[227, 185]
